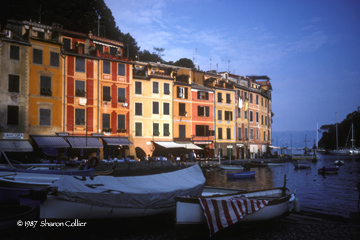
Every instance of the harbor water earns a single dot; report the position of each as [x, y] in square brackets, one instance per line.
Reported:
[334, 194]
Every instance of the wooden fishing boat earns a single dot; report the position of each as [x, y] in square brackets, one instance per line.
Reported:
[26, 180]
[10, 215]
[191, 210]
[255, 164]
[237, 175]
[117, 197]
[328, 170]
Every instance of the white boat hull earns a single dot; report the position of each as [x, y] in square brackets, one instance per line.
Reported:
[193, 213]
[231, 167]
[56, 208]
[27, 180]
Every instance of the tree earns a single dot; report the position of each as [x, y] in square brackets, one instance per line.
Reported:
[185, 62]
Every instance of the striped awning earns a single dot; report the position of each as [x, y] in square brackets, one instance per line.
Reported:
[50, 142]
[16, 146]
[84, 142]
[116, 141]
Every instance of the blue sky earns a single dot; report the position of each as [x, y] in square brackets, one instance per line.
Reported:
[309, 49]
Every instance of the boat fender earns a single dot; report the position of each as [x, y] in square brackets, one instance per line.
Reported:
[296, 205]
[93, 162]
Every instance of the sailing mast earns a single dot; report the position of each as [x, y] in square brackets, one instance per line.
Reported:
[337, 148]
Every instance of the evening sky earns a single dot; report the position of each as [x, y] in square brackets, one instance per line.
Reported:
[309, 49]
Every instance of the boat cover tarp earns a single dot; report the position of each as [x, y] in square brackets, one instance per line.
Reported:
[221, 213]
[150, 191]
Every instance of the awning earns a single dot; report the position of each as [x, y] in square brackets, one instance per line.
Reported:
[169, 144]
[116, 141]
[50, 141]
[191, 146]
[16, 146]
[83, 142]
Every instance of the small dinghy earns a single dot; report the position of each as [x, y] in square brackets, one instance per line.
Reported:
[328, 170]
[240, 175]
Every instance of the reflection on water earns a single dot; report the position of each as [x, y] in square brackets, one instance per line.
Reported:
[336, 194]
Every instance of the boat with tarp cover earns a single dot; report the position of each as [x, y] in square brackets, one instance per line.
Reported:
[105, 197]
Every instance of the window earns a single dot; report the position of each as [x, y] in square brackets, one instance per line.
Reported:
[80, 88]
[262, 102]
[182, 132]
[257, 133]
[106, 94]
[245, 95]
[80, 64]
[13, 115]
[246, 133]
[219, 115]
[203, 111]
[106, 67]
[80, 117]
[106, 121]
[45, 86]
[251, 116]
[219, 97]
[182, 92]
[121, 69]
[155, 106]
[37, 56]
[121, 95]
[228, 100]
[166, 88]
[14, 52]
[54, 59]
[251, 98]
[138, 129]
[113, 51]
[245, 114]
[66, 43]
[257, 99]
[202, 130]
[239, 112]
[138, 109]
[219, 133]
[166, 108]
[264, 136]
[155, 87]
[251, 133]
[14, 81]
[228, 133]
[228, 115]
[262, 119]
[265, 120]
[239, 133]
[138, 87]
[45, 117]
[182, 111]
[203, 95]
[156, 131]
[166, 128]
[257, 117]
[99, 47]
[121, 121]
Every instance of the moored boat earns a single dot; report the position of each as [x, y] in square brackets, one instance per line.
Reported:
[237, 175]
[339, 162]
[328, 170]
[117, 197]
[231, 167]
[190, 210]
[302, 164]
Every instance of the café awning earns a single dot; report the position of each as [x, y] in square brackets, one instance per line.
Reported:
[16, 146]
[84, 142]
[50, 142]
[116, 141]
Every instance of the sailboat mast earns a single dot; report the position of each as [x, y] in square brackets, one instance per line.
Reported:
[337, 148]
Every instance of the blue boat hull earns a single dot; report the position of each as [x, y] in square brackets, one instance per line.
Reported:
[241, 175]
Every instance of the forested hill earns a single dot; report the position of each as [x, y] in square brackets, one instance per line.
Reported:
[328, 140]
[76, 15]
